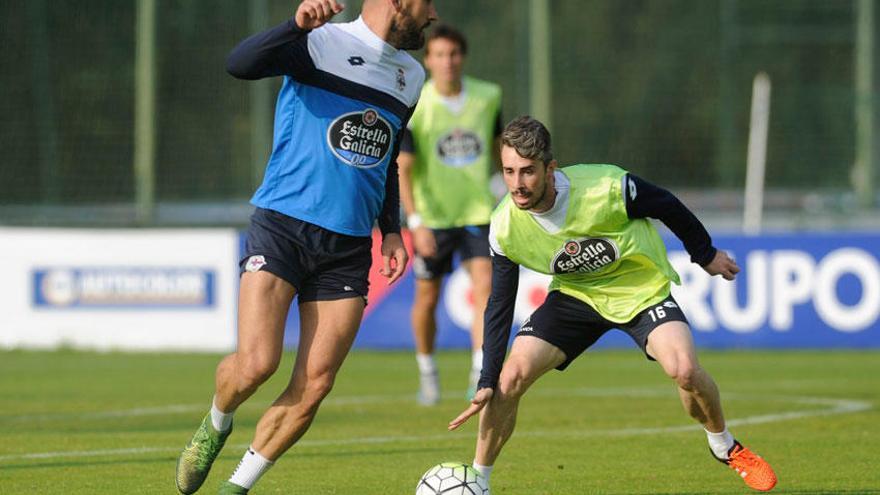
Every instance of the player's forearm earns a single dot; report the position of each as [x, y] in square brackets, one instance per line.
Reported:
[268, 53]
[389, 217]
[407, 200]
[498, 319]
[693, 235]
[495, 336]
[655, 202]
[688, 228]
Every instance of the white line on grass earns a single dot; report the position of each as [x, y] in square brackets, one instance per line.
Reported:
[330, 401]
[370, 399]
[831, 407]
[187, 408]
[122, 413]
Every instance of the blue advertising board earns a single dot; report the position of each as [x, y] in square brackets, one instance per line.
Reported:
[88, 287]
[795, 290]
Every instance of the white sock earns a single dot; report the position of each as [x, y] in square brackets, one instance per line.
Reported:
[221, 420]
[720, 442]
[426, 363]
[485, 471]
[477, 360]
[249, 470]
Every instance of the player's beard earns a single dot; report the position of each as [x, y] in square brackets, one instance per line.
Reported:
[536, 201]
[406, 34]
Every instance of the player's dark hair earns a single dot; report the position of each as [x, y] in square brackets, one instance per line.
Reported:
[447, 32]
[529, 138]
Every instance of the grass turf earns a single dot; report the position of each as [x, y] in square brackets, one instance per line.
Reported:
[77, 423]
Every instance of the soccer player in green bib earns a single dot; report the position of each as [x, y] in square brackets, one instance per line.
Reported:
[586, 225]
[446, 160]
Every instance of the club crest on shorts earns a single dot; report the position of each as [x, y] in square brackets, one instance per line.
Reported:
[459, 147]
[360, 139]
[254, 263]
[584, 255]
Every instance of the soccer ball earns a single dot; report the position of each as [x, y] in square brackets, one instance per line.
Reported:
[452, 478]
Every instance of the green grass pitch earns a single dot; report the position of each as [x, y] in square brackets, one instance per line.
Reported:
[86, 423]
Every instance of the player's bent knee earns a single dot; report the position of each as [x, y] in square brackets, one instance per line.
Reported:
[685, 374]
[320, 388]
[512, 383]
[255, 371]
[317, 388]
[427, 293]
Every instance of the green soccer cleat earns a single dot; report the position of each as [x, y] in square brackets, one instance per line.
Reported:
[227, 488]
[195, 461]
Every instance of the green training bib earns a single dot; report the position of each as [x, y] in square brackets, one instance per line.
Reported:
[602, 257]
[453, 152]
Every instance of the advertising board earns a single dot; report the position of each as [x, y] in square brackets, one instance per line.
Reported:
[799, 290]
[118, 289]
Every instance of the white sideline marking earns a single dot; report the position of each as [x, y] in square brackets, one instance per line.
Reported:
[833, 407]
[123, 413]
[188, 408]
[330, 401]
[366, 399]
[201, 408]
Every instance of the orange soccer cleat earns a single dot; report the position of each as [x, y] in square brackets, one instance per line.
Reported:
[754, 470]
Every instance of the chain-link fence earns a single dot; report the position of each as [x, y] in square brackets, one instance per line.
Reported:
[660, 87]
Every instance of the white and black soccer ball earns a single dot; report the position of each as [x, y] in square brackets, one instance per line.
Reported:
[452, 478]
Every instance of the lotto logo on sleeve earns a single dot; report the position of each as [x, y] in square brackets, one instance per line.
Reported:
[123, 287]
[360, 139]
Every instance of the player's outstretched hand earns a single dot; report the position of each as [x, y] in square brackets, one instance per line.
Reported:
[312, 14]
[481, 398]
[394, 257]
[723, 265]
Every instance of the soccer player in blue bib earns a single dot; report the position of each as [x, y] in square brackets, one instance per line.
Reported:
[347, 94]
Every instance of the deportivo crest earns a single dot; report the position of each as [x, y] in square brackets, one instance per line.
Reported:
[584, 255]
[254, 263]
[360, 139]
[401, 79]
[459, 148]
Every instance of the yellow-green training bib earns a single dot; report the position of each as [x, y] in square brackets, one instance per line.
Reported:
[453, 151]
[615, 264]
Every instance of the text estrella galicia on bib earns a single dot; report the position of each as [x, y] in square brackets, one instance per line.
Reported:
[585, 255]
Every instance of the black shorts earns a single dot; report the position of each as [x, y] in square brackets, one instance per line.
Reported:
[470, 242]
[573, 325]
[322, 265]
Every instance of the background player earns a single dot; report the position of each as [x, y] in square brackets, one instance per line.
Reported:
[587, 226]
[348, 91]
[446, 162]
